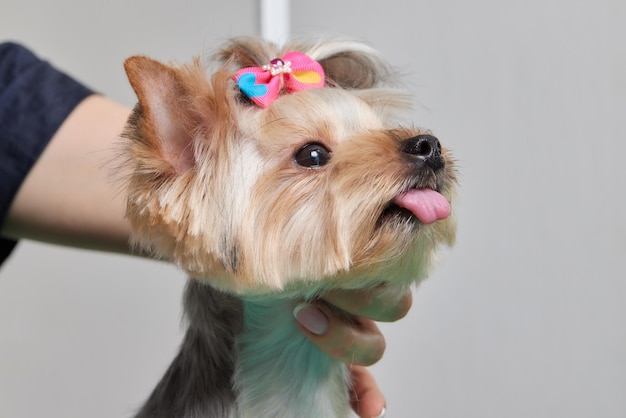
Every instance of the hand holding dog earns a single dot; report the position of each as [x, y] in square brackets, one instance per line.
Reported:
[357, 342]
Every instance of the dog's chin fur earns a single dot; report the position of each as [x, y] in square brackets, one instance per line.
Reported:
[213, 185]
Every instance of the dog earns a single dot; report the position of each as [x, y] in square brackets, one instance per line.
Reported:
[272, 175]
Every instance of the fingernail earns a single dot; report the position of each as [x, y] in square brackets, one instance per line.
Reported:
[311, 318]
[382, 414]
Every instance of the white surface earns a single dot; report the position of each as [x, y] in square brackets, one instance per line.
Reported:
[275, 18]
[526, 317]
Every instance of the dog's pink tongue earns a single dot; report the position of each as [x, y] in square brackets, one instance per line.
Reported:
[426, 204]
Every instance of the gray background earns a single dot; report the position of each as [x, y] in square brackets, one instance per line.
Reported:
[527, 315]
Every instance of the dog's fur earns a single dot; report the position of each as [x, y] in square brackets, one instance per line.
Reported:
[215, 186]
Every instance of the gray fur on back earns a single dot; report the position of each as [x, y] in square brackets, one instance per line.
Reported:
[198, 383]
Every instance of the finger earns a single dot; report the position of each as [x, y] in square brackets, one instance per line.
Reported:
[355, 341]
[380, 304]
[366, 398]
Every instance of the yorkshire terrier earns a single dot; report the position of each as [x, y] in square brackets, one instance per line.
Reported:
[272, 177]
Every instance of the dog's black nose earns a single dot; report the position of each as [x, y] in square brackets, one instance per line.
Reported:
[427, 149]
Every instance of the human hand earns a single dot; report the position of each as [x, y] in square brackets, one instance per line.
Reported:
[353, 337]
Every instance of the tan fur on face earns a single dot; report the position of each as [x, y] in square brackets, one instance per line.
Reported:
[318, 223]
[215, 186]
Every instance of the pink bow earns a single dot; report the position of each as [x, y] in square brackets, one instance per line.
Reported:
[294, 72]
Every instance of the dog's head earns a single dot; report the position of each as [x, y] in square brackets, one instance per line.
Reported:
[317, 188]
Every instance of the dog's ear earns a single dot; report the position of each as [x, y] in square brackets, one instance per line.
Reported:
[352, 65]
[356, 66]
[165, 125]
[350, 71]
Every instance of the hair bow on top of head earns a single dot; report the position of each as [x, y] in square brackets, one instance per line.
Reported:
[294, 72]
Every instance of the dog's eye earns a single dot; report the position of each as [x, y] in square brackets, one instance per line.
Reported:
[312, 156]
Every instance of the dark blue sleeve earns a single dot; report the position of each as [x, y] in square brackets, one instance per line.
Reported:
[35, 99]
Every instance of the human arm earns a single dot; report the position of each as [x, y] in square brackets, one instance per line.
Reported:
[68, 197]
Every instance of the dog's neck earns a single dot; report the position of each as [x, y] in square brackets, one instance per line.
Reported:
[280, 373]
[247, 360]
